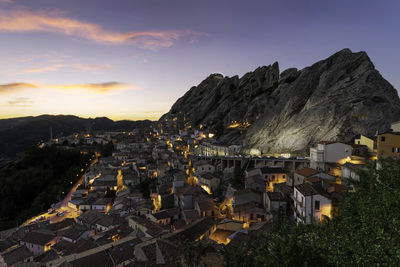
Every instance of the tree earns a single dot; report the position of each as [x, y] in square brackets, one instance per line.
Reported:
[365, 232]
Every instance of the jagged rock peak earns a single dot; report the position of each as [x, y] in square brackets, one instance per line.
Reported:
[333, 99]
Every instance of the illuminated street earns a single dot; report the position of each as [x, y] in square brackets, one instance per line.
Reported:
[62, 209]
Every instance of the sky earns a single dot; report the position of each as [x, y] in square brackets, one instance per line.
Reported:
[132, 59]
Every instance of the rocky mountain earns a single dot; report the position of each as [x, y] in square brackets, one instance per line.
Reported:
[18, 134]
[275, 112]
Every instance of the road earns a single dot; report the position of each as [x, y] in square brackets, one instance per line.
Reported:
[62, 207]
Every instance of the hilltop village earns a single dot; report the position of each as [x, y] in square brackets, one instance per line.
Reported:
[160, 190]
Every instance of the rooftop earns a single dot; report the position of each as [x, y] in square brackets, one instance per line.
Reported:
[306, 172]
[306, 189]
[16, 255]
[39, 237]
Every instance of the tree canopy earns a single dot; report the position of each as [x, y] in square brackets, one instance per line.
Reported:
[365, 232]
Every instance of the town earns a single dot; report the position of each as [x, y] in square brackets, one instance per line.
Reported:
[167, 186]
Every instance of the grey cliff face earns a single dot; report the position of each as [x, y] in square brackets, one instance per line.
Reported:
[334, 99]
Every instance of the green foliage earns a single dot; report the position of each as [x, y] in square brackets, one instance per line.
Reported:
[366, 231]
[30, 185]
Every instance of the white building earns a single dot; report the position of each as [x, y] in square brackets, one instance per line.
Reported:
[328, 152]
[309, 205]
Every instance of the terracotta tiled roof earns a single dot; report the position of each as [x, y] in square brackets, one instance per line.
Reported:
[306, 189]
[268, 170]
[16, 255]
[39, 237]
[208, 176]
[306, 172]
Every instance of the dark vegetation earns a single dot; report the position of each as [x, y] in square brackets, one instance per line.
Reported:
[30, 185]
[366, 231]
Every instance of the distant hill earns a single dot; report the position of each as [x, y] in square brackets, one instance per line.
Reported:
[277, 112]
[18, 134]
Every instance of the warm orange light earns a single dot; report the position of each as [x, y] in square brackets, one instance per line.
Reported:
[206, 188]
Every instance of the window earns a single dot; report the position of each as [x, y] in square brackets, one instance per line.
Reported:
[393, 149]
[209, 168]
[284, 176]
[383, 138]
[316, 204]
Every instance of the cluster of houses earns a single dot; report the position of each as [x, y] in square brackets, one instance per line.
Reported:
[157, 191]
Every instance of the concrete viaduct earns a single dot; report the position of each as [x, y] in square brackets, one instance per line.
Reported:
[222, 162]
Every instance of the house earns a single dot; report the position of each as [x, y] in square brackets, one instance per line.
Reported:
[189, 216]
[275, 202]
[118, 253]
[146, 226]
[158, 252]
[366, 141]
[179, 179]
[203, 166]
[61, 226]
[184, 197]
[310, 204]
[131, 179]
[101, 204]
[388, 145]
[205, 206]
[359, 150]
[49, 255]
[273, 176]
[108, 222]
[16, 255]
[249, 212]
[38, 241]
[328, 152]
[255, 182]
[351, 171]
[210, 181]
[144, 207]
[165, 217]
[77, 232]
[87, 204]
[300, 176]
[195, 231]
[89, 218]
[247, 195]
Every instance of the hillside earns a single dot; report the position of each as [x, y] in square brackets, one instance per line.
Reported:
[289, 111]
[18, 134]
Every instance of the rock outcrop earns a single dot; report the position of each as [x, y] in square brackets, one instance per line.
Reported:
[334, 99]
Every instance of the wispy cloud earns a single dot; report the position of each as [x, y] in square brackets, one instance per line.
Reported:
[57, 22]
[10, 87]
[54, 67]
[94, 87]
[7, 1]
[21, 102]
[99, 88]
